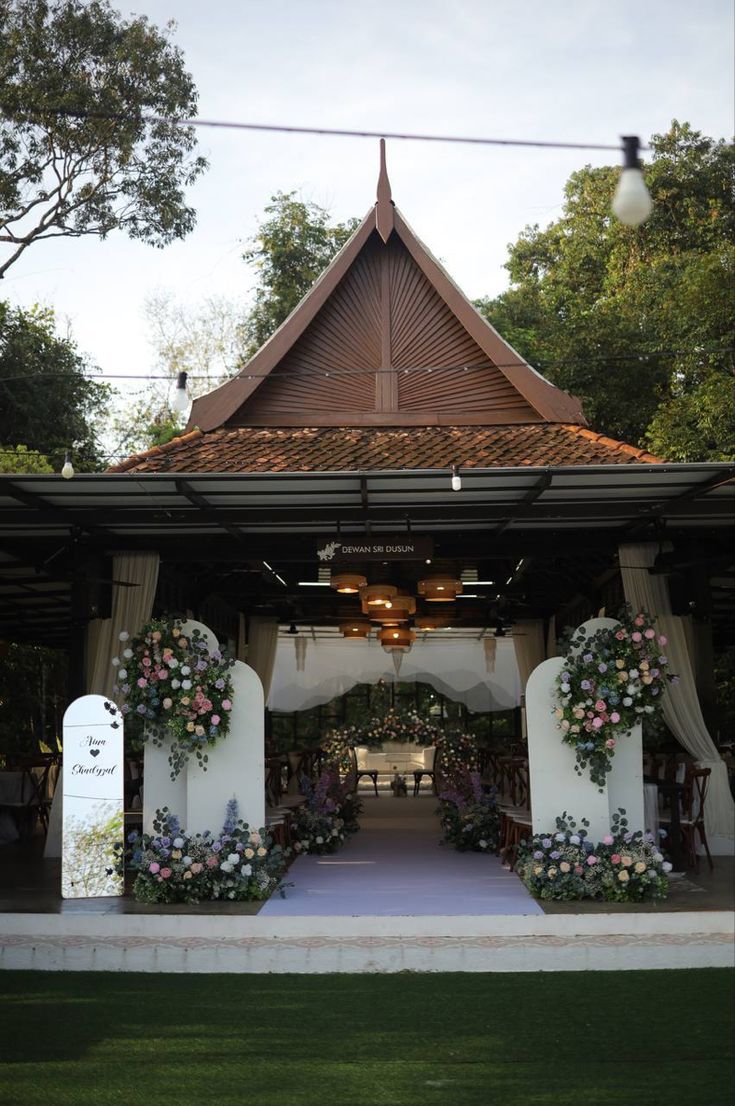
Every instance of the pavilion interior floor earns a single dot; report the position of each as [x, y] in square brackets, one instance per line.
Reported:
[393, 866]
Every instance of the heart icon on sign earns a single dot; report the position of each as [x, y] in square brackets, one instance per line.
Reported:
[94, 752]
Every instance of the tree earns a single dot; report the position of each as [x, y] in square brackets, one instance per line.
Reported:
[20, 459]
[204, 340]
[89, 142]
[637, 322]
[47, 401]
[291, 249]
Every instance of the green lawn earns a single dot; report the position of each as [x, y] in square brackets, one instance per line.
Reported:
[367, 1040]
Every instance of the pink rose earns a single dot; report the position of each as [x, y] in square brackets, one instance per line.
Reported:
[215, 720]
[591, 860]
[639, 620]
[578, 869]
[615, 858]
[600, 704]
[637, 636]
[610, 743]
[142, 682]
[146, 662]
[663, 640]
[596, 723]
[650, 633]
[614, 717]
[153, 868]
[212, 862]
[166, 873]
[226, 704]
[620, 635]
[607, 839]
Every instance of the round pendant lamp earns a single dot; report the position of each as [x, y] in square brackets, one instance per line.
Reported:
[400, 608]
[440, 589]
[396, 637]
[384, 617]
[377, 595]
[426, 623]
[355, 629]
[348, 583]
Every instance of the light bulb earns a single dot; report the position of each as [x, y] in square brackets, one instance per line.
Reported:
[67, 469]
[181, 399]
[632, 203]
[456, 480]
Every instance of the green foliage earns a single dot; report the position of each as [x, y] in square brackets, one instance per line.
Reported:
[62, 175]
[20, 459]
[294, 244]
[32, 698]
[49, 404]
[637, 322]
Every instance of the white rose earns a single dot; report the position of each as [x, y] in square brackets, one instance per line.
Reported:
[187, 861]
[178, 842]
[483, 844]
[560, 837]
[233, 858]
[319, 840]
[657, 857]
[124, 635]
[115, 661]
[633, 673]
[172, 662]
[186, 684]
[176, 683]
[127, 653]
[666, 866]
[122, 673]
[574, 839]
[226, 866]
[185, 670]
[247, 869]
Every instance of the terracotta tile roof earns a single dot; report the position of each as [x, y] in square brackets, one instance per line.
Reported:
[334, 449]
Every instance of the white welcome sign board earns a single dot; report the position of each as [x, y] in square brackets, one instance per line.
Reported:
[235, 766]
[555, 785]
[93, 810]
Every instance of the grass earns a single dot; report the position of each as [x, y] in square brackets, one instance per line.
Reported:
[588, 1038]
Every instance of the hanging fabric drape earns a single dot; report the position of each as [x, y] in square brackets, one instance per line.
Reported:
[262, 644]
[241, 649]
[551, 650]
[300, 644]
[530, 647]
[490, 645]
[681, 709]
[131, 609]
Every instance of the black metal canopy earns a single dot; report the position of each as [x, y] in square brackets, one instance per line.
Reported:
[217, 530]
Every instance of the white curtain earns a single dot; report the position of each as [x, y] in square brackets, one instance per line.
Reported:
[131, 609]
[300, 644]
[242, 639]
[530, 647]
[490, 645]
[681, 707]
[262, 644]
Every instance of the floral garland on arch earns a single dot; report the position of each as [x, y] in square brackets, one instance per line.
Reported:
[177, 688]
[611, 679]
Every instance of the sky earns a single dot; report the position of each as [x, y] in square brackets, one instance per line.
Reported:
[563, 70]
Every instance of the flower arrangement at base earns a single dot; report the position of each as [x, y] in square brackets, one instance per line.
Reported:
[469, 816]
[176, 689]
[239, 864]
[566, 865]
[610, 680]
[327, 817]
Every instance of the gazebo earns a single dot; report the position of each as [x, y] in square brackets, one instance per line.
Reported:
[387, 431]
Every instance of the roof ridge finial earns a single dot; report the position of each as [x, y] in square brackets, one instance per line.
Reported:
[384, 205]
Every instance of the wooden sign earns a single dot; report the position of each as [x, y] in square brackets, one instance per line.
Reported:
[396, 547]
[93, 818]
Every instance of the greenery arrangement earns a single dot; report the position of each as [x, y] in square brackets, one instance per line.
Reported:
[176, 688]
[239, 863]
[327, 818]
[469, 815]
[457, 753]
[565, 865]
[610, 680]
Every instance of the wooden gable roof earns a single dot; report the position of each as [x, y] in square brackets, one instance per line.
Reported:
[385, 338]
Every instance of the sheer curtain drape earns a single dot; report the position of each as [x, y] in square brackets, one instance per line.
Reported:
[131, 609]
[262, 645]
[681, 707]
[530, 647]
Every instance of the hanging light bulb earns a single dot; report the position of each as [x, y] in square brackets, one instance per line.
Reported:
[456, 479]
[67, 469]
[181, 399]
[632, 203]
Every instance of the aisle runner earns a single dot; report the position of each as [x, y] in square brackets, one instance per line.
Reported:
[395, 866]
